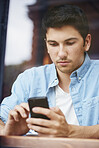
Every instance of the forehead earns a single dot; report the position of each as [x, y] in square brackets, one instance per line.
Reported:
[62, 33]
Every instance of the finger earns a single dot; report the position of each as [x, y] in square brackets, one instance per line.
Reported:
[25, 106]
[53, 124]
[40, 122]
[21, 111]
[39, 129]
[13, 115]
[57, 110]
[47, 112]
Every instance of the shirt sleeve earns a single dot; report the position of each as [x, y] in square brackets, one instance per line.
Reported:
[19, 94]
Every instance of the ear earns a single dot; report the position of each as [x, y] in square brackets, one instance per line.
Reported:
[87, 42]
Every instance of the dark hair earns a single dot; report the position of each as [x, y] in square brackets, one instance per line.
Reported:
[60, 16]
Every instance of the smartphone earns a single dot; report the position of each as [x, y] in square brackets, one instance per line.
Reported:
[38, 102]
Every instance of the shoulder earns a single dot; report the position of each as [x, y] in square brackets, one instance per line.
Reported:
[95, 65]
[96, 62]
[37, 71]
[43, 68]
[34, 76]
[94, 70]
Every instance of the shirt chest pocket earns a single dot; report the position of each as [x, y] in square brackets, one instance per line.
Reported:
[90, 111]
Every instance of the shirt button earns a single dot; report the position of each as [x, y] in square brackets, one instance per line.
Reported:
[79, 78]
[55, 80]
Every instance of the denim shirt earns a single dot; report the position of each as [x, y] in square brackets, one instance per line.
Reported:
[41, 81]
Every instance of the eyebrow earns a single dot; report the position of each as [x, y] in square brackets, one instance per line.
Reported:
[74, 38]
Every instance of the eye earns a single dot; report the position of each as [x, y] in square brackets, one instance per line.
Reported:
[53, 44]
[70, 43]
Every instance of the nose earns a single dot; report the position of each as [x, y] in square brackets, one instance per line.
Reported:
[62, 53]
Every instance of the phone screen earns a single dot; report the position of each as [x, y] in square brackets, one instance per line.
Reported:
[38, 102]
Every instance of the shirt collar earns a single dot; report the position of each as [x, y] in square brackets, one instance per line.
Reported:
[80, 72]
[53, 78]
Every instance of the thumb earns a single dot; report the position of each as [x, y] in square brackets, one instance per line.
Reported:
[57, 110]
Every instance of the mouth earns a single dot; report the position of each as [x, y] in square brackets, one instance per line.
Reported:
[64, 63]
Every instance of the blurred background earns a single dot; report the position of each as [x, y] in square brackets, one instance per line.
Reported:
[23, 46]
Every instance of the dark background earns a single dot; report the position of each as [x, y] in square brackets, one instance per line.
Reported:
[4, 7]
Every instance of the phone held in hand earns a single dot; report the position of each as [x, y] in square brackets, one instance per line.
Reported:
[38, 102]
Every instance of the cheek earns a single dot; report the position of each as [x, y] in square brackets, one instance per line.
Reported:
[52, 52]
[78, 58]
[76, 55]
[52, 55]
[76, 51]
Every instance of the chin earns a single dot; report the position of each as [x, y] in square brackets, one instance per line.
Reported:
[66, 71]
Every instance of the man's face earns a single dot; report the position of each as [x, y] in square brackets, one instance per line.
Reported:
[66, 48]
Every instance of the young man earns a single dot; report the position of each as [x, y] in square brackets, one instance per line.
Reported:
[71, 83]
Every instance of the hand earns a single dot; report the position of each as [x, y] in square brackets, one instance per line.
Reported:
[56, 126]
[16, 124]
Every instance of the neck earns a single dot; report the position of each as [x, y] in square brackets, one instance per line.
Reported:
[64, 81]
